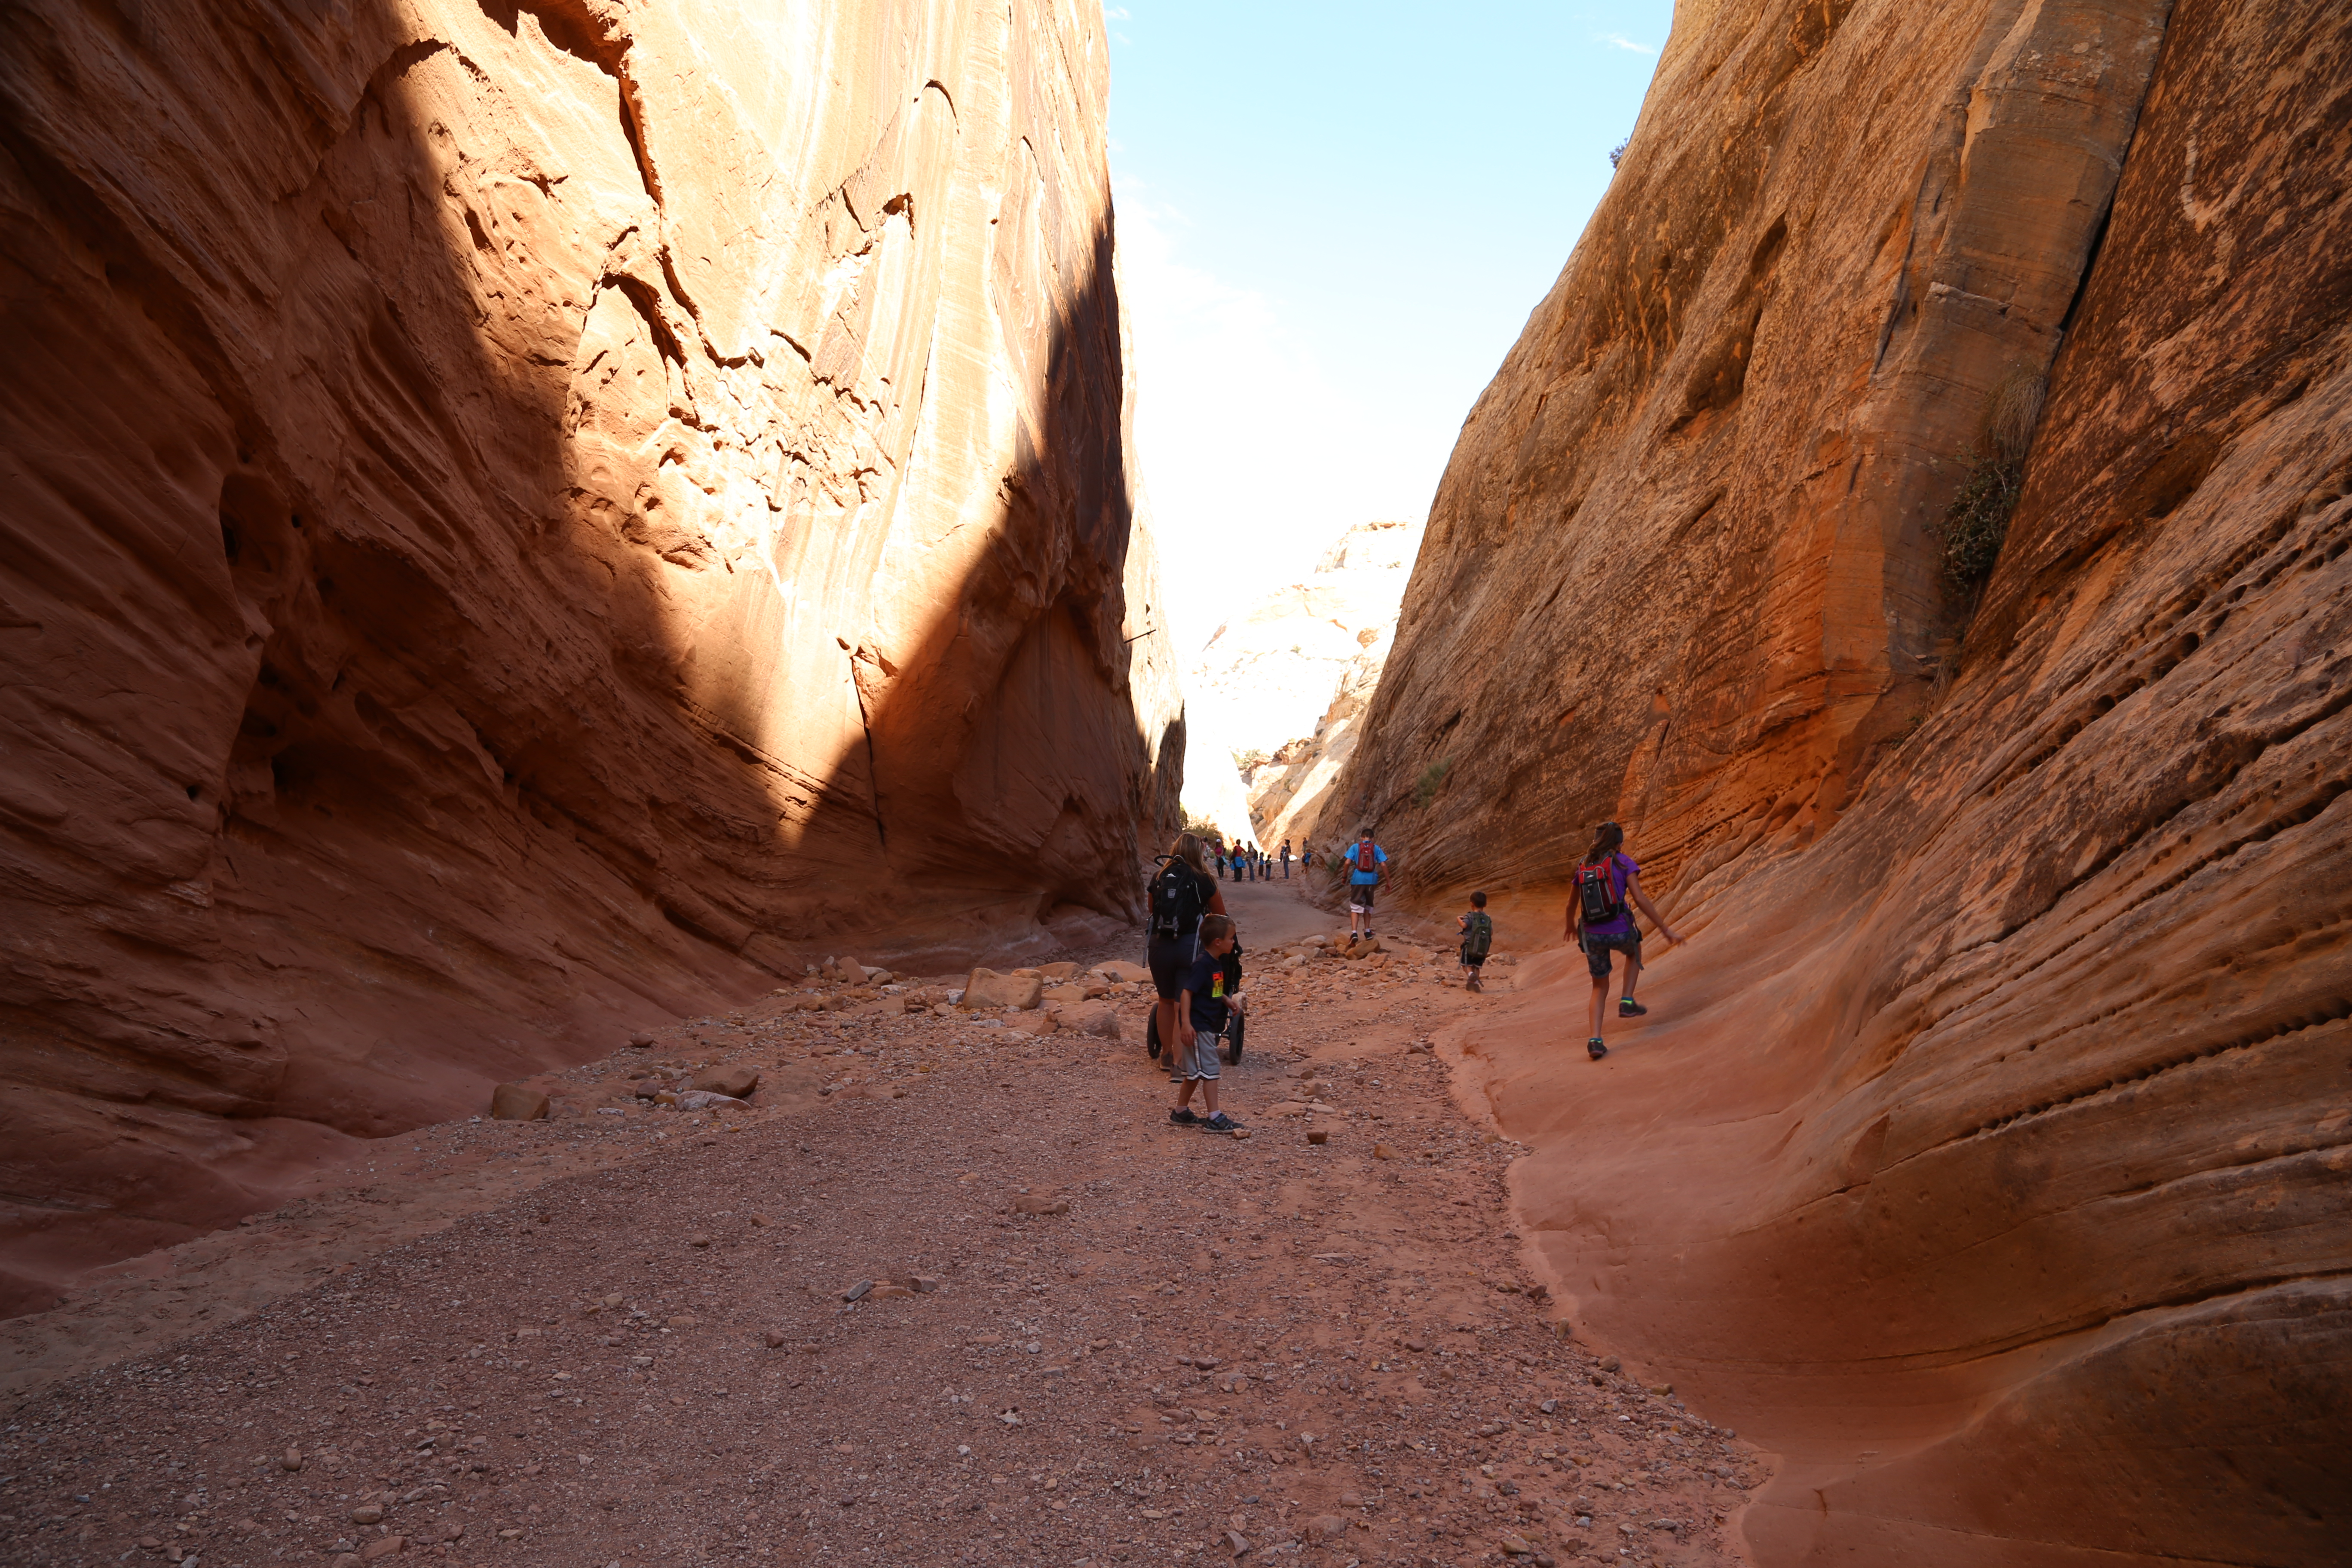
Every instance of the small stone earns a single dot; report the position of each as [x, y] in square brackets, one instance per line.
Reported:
[367, 1514]
[697, 1241]
[1325, 1528]
[1236, 1542]
[291, 1460]
[889, 1294]
[513, 1102]
[925, 1284]
[1318, 1137]
[1382, 1152]
[149, 1543]
[1662, 1388]
[760, 1219]
[1611, 1364]
[777, 1339]
[641, 1039]
[1517, 1545]
[736, 1083]
[858, 1291]
[1036, 1203]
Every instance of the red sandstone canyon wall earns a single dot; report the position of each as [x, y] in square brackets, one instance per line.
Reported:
[1985, 1151]
[523, 515]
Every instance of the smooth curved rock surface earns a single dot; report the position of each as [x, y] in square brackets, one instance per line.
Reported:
[1985, 1150]
[525, 516]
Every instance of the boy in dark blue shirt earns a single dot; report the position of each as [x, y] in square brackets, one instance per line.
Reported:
[1203, 1003]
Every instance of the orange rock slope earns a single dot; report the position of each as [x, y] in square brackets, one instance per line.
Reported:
[1985, 1153]
[523, 515]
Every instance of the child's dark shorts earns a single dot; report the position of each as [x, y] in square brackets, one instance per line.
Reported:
[1598, 948]
[1470, 962]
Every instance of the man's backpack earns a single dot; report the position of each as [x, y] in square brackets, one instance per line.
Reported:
[1477, 937]
[1364, 861]
[1597, 894]
[1176, 902]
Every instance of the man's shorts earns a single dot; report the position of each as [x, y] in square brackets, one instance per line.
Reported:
[1167, 958]
[1597, 950]
[1198, 1060]
[1359, 897]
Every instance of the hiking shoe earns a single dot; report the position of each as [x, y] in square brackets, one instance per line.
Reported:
[1471, 984]
[1183, 1117]
[1629, 1008]
[1594, 1049]
[1220, 1122]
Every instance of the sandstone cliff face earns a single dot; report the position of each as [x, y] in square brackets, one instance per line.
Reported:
[1280, 687]
[521, 515]
[1985, 1152]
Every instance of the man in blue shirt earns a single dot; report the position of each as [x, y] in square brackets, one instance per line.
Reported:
[1368, 867]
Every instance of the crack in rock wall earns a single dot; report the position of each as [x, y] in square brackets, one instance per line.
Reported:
[1985, 1150]
[523, 517]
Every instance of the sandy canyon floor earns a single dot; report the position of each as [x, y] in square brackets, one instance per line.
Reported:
[621, 1335]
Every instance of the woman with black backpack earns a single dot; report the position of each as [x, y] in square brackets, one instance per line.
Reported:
[1181, 891]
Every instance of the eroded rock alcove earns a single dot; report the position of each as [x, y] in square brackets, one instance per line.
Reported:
[525, 515]
[1985, 1151]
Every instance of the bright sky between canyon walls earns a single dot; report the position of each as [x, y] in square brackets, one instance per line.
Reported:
[1333, 220]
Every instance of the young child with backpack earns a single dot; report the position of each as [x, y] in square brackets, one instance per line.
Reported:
[1477, 941]
[1605, 887]
[1367, 869]
[1206, 1000]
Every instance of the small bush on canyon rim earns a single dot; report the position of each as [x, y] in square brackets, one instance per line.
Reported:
[1977, 523]
[1425, 789]
[1253, 758]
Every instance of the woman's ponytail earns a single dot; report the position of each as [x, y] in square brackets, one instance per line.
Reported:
[1605, 843]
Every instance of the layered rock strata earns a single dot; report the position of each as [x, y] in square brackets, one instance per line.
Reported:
[1985, 1150]
[525, 515]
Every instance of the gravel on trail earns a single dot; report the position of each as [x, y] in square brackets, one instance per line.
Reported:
[955, 1292]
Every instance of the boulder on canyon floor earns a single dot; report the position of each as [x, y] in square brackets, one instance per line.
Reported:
[524, 515]
[1984, 1151]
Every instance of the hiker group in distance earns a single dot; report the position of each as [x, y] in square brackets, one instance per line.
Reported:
[1248, 863]
[1194, 952]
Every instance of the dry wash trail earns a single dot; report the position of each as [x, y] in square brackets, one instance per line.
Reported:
[1270, 1348]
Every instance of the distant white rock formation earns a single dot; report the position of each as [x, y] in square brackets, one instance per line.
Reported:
[1281, 689]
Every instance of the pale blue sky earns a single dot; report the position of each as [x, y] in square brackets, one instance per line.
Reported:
[1333, 222]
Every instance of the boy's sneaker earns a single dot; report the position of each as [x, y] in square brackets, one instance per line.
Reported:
[1629, 1008]
[1220, 1122]
[1594, 1049]
[1182, 1117]
[1471, 984]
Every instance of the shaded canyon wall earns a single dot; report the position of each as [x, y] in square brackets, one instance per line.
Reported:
[525, 516]
[1985, 1152]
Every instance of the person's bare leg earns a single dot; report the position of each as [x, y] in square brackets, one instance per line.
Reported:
[1184, 1091]
[1599, 1004]
[1632, 973]
[1166, 1028]
[1209, 1097]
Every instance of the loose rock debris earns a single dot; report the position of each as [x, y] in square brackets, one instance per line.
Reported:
[980, 1303]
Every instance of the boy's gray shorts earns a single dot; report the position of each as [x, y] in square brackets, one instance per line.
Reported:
[1198, 1060]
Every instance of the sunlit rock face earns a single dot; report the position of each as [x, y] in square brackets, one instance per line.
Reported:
[1985, 1149]
[1281, 687]
[521, 517]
